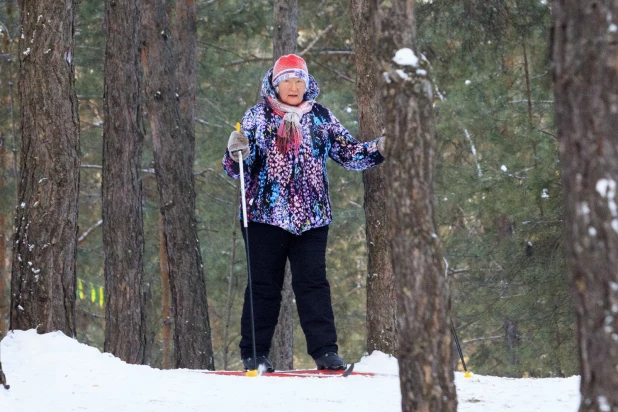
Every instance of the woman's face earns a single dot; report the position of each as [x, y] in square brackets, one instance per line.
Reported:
[291, 91]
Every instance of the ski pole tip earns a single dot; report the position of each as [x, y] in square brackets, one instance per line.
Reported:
[252, 373]
[467, 374]
[238, 126]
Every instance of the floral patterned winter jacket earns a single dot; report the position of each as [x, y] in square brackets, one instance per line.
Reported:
[291, 191]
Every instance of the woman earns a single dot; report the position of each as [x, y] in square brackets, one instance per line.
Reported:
[285, 142]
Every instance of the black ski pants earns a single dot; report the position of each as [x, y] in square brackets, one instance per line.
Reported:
[270, 247]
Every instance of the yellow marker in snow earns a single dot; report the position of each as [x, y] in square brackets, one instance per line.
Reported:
[467, 374]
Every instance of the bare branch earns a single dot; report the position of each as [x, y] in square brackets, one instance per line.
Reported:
[317, 38]
[483, 338]
[88, 231]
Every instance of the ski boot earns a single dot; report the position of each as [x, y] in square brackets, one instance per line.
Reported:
[262, 363]
[330, 361]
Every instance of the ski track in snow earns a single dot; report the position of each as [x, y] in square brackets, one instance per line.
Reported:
[53, 373]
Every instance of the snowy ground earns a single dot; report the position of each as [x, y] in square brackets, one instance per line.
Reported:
[54, 373]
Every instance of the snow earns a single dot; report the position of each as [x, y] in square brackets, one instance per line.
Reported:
[54, 373]
[467, 82]
[607, 190]
[405, 57]
[503, 168]
[402, 74]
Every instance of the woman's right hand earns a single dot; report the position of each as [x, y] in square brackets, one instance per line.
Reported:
[238, 142]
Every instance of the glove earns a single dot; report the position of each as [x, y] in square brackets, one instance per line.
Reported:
[381, 147]
[238, 141]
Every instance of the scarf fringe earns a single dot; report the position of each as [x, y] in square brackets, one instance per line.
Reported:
[289, 133]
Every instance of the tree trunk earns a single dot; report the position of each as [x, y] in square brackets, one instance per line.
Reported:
[381, 303]
[284, 42]
[512, 339]
[45, 240]
[123, 136]
[584, 54]
[282, 350]
[286, 28]
[424, 350]
[166, 301]
[230, 297]
[170, 106]
[3, 265]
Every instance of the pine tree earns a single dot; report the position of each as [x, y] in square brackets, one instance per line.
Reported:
[123, 135]
[426, 374]
[284, 42]
[586, 89]
[381, 303]
[171, 114]
[45, 239]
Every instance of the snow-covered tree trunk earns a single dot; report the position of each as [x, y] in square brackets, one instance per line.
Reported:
[381, 303]
[123, 136]
[426, 374]
[284, 42]
[584, 50]
[170, 103]
[45, 241]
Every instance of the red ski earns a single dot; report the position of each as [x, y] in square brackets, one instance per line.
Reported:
[300, 373]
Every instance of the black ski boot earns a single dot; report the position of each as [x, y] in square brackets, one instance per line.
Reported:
[262, 362]
[330, 361]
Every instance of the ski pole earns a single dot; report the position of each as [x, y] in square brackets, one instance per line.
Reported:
[253, 372]
[463, 362]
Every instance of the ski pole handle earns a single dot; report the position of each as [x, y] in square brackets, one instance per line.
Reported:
[242, 183]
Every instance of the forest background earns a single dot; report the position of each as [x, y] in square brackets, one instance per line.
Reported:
[498, 193]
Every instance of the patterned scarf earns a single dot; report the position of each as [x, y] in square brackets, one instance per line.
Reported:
[289, 134]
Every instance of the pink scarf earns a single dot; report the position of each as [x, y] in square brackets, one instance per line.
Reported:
[289, 134]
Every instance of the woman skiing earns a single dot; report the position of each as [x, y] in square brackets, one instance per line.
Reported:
[285, 141]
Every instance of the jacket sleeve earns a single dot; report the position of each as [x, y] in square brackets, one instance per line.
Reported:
[247, 126]
[349, 152]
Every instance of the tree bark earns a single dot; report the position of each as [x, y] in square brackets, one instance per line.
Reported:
[584, 50]
[170, 109]
[282, 350]
[286, 28]
[230, 296]
[381, 303]
[45, 240]
[426, 375]
[3, 265]
[123, 136]
[284, 42]
[512, 340]
[166, 302]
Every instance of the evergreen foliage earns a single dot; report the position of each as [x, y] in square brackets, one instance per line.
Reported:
[498, 191]
[499, 210]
